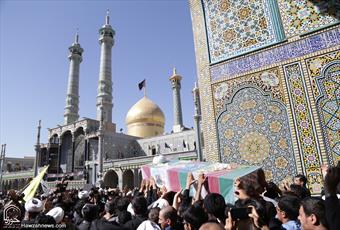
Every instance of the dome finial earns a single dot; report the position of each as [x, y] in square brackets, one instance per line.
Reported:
[76, 39]
[107, 22]
[174, 71]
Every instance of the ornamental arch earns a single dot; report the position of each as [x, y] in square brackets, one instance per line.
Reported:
[79, 148]
[128, 179]
[328, 109]
[254, 130]
[111, 179]
[66, 153]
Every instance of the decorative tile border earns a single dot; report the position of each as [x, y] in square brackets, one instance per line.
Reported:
[323, 72]
[303, 16]
[328, 109]
[235, 27]
[309, 149]
[315, 65]
[276, 55]
[270, 81]
[210, 148]
[254, 130]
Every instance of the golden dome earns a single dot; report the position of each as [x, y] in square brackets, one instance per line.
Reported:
[145, 119]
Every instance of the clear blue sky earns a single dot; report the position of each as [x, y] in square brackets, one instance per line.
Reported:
[151, 38]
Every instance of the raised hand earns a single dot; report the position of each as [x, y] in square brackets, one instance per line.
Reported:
[201, 179]
[147, 184]
[229, 223]
[176, 202]
[164, 190]
[142, 185]
[255, 216]
[190, 180]
[153, 183]
[324, 169]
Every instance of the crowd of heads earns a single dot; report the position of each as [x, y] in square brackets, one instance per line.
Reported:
[260, 204]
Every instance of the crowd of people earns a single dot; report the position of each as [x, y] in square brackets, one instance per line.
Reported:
[260, 204]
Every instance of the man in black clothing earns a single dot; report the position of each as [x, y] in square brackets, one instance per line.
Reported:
[332, 204]
[102, 224]
[139, 206]
[90, 213]
[168, 218]
[301, 180]
[312, 214]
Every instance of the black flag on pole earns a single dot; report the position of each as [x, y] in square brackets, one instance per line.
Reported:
[141, 84]
[167, 146]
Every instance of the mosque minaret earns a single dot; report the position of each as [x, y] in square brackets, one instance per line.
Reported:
[90, 150]
[197, 119]
[175, 80]
[104, 97]
[72, 98]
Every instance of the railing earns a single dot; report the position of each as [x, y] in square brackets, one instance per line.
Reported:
[139, 161]
[72, 184]
[18, 175]
[130, 163]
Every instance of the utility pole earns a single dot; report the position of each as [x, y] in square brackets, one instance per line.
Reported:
[100, 135]
[37, 151]
[2, 161]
